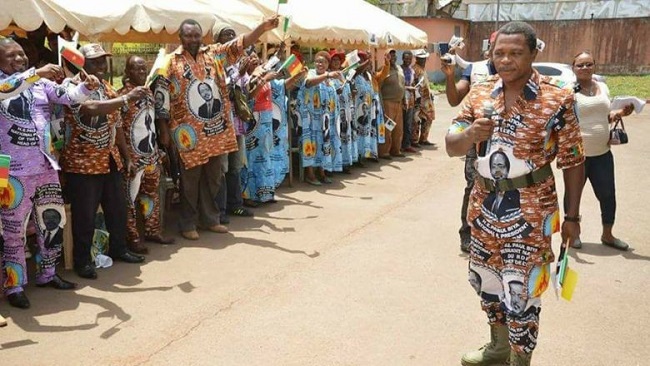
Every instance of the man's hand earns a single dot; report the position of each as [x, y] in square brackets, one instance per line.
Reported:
[270, 23]
[92, 82]
[137, 93]
[480, 130]
[129, 168]
[51, 71]
[271, 75]
[570, 232]
[447, 68]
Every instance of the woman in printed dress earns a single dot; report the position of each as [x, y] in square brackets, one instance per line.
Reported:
[347, 137]
[318, 104]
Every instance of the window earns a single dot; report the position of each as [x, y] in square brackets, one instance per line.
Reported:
[457, 30]
[549, 71]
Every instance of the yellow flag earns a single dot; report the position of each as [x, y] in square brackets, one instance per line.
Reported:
[569, 284]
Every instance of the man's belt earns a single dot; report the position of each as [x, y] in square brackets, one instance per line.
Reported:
[524, 181]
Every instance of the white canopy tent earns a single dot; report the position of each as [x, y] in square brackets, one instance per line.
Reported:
[331, 23]
[147, 21]
[343, 23]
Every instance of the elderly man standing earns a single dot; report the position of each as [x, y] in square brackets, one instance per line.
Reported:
[520, 121]
[34, 188]
[93, 160]
[140, 134]
[425, 111]
[230, 199]
[200, 141]
[392, 95]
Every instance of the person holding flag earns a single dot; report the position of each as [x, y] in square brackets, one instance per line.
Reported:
[229, 198]
[520, 122]
[193, 73]
[140, 133]
[95, 159]
[33, 186]
[346, 136]
[318, 103]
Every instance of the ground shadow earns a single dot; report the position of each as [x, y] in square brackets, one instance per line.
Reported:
[601, 250]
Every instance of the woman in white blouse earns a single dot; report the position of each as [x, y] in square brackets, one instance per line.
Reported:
[594, 116]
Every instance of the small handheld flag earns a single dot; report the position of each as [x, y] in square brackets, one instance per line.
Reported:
[291, 65]
[73, 56]
[5, 161]
[159, 67]
[565, 278]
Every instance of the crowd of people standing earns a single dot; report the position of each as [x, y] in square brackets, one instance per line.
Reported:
[216, 117]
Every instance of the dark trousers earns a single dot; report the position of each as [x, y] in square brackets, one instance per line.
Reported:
[599, 170]
[199, 189]
[85, 193]
[409, 116]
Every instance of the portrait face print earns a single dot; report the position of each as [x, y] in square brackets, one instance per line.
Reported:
[204, 100]
[517, 301]
[51, 219]
[205, 91]
[159, 100]
[499, 165]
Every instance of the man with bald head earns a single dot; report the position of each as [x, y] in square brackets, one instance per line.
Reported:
[33, 188]
[140, 133]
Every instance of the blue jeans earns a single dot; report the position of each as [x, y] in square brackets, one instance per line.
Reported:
[230, 195]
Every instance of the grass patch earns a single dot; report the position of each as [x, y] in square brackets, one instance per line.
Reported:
[638, 86]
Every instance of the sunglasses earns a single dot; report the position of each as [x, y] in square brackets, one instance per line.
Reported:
[587, 65]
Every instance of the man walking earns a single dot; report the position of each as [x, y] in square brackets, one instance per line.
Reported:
[527, 121]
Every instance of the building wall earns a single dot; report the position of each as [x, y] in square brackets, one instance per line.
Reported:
[441, 30]
[619, 46]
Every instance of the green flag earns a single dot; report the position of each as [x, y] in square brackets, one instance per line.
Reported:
[285, 27]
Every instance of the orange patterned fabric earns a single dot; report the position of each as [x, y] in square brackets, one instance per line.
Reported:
[540, 127]
[196, 103]
[91, 142]
[139, 128]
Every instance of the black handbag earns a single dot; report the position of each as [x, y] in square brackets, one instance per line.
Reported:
[618, 135]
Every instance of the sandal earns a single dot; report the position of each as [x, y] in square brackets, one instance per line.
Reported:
[616, 244]
[241, 212]
[326, 180]
[577, 244]
[314, 182]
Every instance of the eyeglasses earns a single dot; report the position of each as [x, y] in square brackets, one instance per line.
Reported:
[587, 65]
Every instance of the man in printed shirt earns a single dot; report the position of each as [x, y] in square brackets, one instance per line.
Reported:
[200, 141]
[230, 199]
[425, 111]
[527, 121]
[34, 187]
[409, 100]
[93, 160]
[140, 134]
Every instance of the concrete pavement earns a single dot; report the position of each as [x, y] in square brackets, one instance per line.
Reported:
[365, 272]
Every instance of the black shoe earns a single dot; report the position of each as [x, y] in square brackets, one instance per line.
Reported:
[19, 300]
[58, 283]
[129, 257]
[224, 219]
[465, 244]
[86, 271]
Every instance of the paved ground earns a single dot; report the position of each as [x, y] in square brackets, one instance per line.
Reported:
[365, 272]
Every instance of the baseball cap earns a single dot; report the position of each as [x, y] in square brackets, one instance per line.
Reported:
[420, 53]
[93, 50]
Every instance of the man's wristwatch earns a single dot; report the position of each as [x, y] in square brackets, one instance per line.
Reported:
[572, 218]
